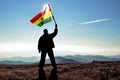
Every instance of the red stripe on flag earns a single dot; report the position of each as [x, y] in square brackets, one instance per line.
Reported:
[38, 16]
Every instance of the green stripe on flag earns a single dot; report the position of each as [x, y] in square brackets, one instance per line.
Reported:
[45, 21]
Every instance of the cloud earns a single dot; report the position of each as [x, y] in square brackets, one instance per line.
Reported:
[89, 22]
[86, 49]
[95, 21]
[16, 47]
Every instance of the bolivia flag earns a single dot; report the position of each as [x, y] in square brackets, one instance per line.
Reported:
[43, 17]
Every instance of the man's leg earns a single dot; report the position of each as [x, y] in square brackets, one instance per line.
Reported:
[42, 61]
[52, 58]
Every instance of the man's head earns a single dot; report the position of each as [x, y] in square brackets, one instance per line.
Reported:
[45, 31]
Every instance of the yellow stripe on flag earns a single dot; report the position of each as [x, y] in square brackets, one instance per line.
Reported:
[47, 15]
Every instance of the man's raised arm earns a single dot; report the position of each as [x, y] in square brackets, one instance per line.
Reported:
[55, 31]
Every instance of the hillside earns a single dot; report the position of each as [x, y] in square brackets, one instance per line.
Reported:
[76, 71]
[59, 59]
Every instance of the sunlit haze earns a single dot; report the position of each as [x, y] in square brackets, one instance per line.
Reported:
[85, 27]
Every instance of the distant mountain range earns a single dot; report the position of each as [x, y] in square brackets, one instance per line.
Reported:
[59, 59]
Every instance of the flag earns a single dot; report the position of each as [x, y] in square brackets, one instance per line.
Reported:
[43, 17]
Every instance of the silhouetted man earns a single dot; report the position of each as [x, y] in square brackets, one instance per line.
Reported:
[45, 45]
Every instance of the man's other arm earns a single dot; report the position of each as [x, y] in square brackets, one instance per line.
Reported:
[39, 48]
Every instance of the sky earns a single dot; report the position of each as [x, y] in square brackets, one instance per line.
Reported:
[86, 27]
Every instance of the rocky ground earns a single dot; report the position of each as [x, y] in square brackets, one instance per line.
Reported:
[77, 71]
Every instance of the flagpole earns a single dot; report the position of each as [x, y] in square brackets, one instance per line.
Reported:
[52, 14]
[54, 19]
